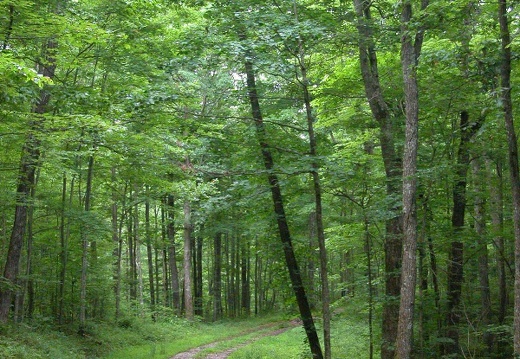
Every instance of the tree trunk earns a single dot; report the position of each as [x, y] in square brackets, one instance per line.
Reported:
[149, 254]
[456, 260]
[199, 310]
[392, 164]
[63, 251]
[188, 290]
[117, 242]
[172, 255]
[483, 265]
[26, 181]
[507, 108]
[137, 257]
[497, 223]
[285, 236]
[409, 57]
[84, 249]
[320, 231]
[217, 277]
[244, 278]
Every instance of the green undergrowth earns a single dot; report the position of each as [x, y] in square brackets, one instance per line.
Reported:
[128, 338]
[140, 338]
[181, 336]
[350, 337]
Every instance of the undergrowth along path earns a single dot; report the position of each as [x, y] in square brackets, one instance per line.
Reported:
[236, 342]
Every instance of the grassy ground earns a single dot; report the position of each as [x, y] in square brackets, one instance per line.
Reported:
[350, 339]
[141, 338]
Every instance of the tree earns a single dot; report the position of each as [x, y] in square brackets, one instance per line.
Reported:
[283, 228]
[409, 58]
[507, 108]
[392, 163]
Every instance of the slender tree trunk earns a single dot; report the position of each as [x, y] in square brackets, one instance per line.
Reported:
[244, 278]
[507, 108]
[149, 254]
[368, 250]
[137, 258]
[188, 290]
[483, 265]
[456, 260]
[392, 164]
[311, 264]
[63, 251]
[217, 277]
[320, 231]
[172, 255]
[497, 223]
[117, 243]
[199, 302]
[285, 236]
[84, 250]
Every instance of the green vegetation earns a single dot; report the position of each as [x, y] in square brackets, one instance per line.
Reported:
[173, 171]
[144, 339]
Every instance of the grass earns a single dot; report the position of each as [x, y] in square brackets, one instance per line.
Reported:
[185, 335]
[350, 338]
[142, 339]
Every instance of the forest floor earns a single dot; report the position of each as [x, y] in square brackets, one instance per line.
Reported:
[222, 349]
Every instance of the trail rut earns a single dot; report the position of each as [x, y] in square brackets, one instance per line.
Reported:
[192, 353]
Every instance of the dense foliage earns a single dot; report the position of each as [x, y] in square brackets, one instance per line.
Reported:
[133, 183]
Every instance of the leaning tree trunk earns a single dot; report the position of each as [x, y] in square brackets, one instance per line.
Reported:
[318, 207]
[283, 227]
[507, 108]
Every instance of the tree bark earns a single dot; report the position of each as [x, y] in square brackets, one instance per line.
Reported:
[149, 253]
[483, 261]
[507, 108]
[392, 164]
[456, 260]
[497, 224]
[409, 266]
[244, 278]
[217, 277]
[172, 255]
[26, 181]
[117, 242]
[63, 251]
[285, 236]
[199, 241]
[84, 249]
[188, 285]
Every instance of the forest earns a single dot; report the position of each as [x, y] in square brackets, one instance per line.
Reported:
[221, 160]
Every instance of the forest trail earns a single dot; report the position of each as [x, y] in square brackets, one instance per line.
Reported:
[262, 331]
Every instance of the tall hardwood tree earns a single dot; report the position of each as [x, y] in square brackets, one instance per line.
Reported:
[410, 50]
[29, 163]
[507, 109]
[392, 163]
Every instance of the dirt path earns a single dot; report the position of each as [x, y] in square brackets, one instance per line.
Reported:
[190, 354]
